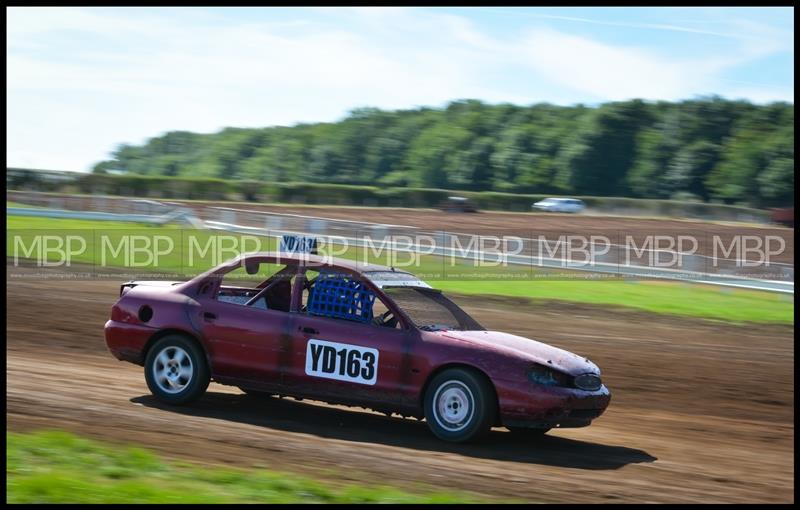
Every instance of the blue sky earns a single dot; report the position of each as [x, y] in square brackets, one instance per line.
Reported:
[81, 81]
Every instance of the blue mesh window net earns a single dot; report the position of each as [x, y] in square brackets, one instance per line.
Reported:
[341, 297]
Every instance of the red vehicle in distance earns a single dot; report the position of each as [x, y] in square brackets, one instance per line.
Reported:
[783, 216]
[341, 332]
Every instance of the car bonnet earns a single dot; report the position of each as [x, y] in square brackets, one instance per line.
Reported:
[532, 350]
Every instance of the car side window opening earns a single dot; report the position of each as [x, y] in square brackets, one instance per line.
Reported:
[270, 288]
[344, 297]
[431, 310]
[383, 316]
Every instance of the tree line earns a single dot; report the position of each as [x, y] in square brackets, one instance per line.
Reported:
[708, 149]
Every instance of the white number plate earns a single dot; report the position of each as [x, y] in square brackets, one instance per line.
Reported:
[343, 362]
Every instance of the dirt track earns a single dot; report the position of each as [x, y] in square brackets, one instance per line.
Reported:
[701, 411]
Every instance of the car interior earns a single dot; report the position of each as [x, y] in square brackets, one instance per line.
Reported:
[342, 297]
[274, 293]
[331, 295]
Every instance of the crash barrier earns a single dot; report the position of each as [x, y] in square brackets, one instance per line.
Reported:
[610, 258]
[97, 215]
[623, 270]
[221, 216]
[604, 254]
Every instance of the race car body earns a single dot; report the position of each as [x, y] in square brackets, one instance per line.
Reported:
[338, 331]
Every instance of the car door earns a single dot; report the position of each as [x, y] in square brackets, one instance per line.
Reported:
[348, 361]
[246, 343]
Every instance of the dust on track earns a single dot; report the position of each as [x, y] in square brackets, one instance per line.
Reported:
[701, 411]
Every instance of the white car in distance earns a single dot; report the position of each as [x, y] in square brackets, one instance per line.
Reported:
[562, 205]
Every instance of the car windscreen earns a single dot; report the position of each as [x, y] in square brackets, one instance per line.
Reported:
[430, 310]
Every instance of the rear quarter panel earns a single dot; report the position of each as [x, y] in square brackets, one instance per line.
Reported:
[127, 335]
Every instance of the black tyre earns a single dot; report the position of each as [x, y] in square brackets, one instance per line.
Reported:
[176, 371]
[460, 405]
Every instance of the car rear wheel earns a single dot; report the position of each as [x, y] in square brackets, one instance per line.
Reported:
[460, 405]
[175, 370]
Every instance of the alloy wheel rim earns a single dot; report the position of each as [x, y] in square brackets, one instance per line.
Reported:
[172, 369]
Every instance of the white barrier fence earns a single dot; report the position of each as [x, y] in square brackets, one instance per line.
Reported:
[607, 257]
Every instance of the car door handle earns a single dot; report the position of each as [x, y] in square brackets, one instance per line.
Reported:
[309, 331]
[209, 316]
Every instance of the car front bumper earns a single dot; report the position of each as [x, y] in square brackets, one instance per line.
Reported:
[530, 405]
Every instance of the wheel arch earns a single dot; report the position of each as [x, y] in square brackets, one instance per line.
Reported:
[441, 368]
[175, 331]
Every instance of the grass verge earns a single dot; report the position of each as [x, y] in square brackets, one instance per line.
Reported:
[59, 467]
[673, 298]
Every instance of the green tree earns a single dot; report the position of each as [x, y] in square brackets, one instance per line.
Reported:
[711, 148]
[688, 170]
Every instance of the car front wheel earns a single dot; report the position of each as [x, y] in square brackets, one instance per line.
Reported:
[460, 405]
[175, 370]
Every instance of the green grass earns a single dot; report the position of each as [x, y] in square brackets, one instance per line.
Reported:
[675, 298]
[42, 223]
[101, 243]
[678, 298]
[195, 251]
[59, 467]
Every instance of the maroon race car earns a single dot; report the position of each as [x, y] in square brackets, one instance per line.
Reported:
[342, 332]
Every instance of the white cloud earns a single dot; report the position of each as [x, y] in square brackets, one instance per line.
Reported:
[761, 94]
[605, 72]
[614, 72]
[145, 72]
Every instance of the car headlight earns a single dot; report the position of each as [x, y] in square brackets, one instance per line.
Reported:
[545, 376]
[588, 382]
